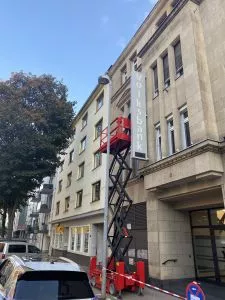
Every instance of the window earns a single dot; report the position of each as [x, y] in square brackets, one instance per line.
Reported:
[166, 71]
[83, 144]
[155, 81]
[133, 60]
[71, 156]
[185, 131]
[84, 120]
[72, 240]
[79, 198]
[86, 238]
[78, 239]
[69, 179]
[171, 140]
[158, 142]
[99, 102]
[124, 74]
[67, 203]
[57, 208]
[97, 159]
[58, 241]
[60, 186]
[61, 166]
[96, 191]
[178, 59]
[81, 170]
[17, 248]
[33, 249]
[98, 129]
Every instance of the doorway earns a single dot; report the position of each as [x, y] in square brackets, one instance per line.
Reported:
[208, 234]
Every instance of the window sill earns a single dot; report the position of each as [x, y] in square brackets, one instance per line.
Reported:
[83, 127]
[96, 167]
[66, 211]
[68, 186]
[155, 96]
[80, 178]
[81, 152]
[95, 201]
[78, 207]
[97, 110]
[178, 76]
[96, 138]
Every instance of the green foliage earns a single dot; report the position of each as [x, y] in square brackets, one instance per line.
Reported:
[35, 127]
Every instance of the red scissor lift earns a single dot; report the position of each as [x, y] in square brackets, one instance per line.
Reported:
[119, 277]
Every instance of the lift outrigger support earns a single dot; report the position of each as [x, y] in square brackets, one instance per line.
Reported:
[119, 276]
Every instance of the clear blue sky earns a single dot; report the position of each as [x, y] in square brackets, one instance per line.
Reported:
[74, 40]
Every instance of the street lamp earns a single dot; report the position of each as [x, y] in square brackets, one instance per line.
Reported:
[105, 80]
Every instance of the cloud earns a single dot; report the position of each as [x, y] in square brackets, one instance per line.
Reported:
[104, 19]
[121, 42]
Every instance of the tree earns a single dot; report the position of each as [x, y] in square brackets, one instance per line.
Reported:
[35, 127]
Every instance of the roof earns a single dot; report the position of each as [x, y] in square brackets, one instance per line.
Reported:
[46, 263]
[48, 266]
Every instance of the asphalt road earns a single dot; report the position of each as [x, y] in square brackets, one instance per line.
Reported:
[149, 294]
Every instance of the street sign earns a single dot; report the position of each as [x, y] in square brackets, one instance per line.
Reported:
[194, 292]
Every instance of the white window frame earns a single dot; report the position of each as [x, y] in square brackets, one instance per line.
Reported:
[99, 102]
[73, 234]
[94, 191]
[158, 142]
[97, 133]
[84, 120]
[99, 159]
[83, 144]
[155, 90]
[80, 192]
[124, 74]
[67, 203]
[71, 156]
[170, 130]
[81, 170]
[183, 121]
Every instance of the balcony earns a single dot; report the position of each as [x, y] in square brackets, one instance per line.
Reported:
[34, 214]
[47, 189]
[44, 209]
[36, 199]
[43, 228]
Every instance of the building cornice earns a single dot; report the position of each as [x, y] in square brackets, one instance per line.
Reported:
[121, 90]
[162, 27]
[195, 150]
[80, 216]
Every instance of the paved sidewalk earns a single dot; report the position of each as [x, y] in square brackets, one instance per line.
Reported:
[149, 294]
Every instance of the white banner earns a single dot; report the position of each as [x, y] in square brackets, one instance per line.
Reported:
[138, 116]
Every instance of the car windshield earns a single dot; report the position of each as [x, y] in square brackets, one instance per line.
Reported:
[53, 285]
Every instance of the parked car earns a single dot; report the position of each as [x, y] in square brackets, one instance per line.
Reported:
[19, 248]
[49, 279]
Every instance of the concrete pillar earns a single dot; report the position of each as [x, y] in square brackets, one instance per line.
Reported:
[169, 241]
[153, 236]
[163, 125]
[175, 111]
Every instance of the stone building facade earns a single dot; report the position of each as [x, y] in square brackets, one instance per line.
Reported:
[181, 48]
[78, 197]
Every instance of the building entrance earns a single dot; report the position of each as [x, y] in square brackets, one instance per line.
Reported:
[208, 233]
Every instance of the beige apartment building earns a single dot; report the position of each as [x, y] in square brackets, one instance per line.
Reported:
[78, 198]
[178, 220]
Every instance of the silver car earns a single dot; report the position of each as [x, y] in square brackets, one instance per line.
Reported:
[19, 248]
[49, 279]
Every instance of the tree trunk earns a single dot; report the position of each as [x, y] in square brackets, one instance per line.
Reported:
[3, 223]
[11, 216]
